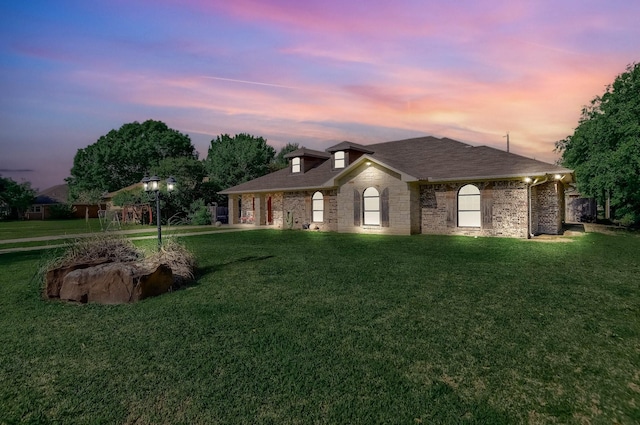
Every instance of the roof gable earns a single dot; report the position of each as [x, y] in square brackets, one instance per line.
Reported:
[304, 152]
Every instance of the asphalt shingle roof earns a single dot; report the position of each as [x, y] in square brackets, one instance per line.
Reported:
[423, 159]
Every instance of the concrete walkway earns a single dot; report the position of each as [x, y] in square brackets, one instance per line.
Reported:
[166, 232]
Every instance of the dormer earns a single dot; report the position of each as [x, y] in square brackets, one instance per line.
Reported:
[346, 153]
[303, 159]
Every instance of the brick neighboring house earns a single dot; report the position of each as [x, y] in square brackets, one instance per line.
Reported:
[56, 195]
[423, 185]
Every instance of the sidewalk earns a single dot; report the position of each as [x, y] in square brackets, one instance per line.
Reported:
[166, 231]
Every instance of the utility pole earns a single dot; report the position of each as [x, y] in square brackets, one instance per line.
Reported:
[507, 136]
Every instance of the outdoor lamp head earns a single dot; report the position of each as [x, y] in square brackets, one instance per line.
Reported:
[154, 183]
[171, 184]
[145, 183]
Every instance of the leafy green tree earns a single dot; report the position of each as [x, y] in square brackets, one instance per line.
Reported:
[280, 162]
[122, 157]
[234, 160]
[15, 198]
[604, 149]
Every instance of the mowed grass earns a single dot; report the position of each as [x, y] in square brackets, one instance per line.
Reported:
[13, 233]
[287, 327]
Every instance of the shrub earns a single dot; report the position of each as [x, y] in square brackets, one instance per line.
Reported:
[199, 213]
[61, 211]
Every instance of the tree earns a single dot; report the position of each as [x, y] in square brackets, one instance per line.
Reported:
[280, 162]
[234, 160]
[15, 198]
[122, 157]
[604, 149]
[189, 174]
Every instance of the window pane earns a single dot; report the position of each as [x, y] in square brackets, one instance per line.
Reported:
[372, 218]
[469, 218]
[318, 216]
[370, 191]
[295, 165]
[469, 202]
[371, 204]
[469, 190]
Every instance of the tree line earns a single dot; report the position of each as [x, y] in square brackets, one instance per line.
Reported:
[123, 157]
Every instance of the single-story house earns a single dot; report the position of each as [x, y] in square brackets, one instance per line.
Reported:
[423, 185]
[57, 195]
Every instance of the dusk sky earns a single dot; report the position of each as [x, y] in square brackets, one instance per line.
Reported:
[313, 73]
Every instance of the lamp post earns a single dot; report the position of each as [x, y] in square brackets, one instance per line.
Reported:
[152, 185]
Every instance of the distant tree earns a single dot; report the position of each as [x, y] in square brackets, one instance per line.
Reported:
[604, 149]
[280, 162]
[234, 160]
[15, 198]
[122, 157]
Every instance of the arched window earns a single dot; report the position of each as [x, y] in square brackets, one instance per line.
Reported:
[318, 207]
[371, 201]
[295, 165]
[339, 159]
[469, 206]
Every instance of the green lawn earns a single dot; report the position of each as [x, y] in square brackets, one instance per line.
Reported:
[36, 228]
[298, 327]
[15, 230]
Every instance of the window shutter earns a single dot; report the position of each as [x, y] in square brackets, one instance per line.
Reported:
[451, 208]
[384, 207]
[486, 205]
[356, 207]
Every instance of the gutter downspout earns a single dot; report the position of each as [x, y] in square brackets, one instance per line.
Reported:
[529, 186]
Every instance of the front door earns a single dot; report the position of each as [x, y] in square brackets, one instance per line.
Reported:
[269, 211]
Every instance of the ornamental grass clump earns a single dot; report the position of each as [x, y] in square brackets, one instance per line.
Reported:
[179, 258]
[100, 248]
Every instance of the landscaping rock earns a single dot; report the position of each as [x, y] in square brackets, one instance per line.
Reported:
[116, 283]
[55, 277]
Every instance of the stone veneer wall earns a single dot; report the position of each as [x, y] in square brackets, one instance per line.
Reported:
[547, 208]
[503, 206]
[402, 200]
[247, 209]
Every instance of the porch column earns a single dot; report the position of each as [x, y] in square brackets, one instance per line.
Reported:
[260, 210]
[232, 214]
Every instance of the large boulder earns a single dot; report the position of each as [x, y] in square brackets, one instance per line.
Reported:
[116, 283]
[55, 277]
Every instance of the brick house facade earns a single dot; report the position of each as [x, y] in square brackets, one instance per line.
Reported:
[425, 185]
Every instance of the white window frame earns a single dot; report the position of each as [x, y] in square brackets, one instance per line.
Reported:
[317, 207]
[469, 206]
[371, 207]
[339, 159]
[295, 165]
[36, 209]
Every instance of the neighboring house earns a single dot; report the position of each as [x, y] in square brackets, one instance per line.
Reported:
[133, 213]
[424, 185]
[56, 195]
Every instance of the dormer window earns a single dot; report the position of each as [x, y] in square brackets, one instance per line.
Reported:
[339, 159]
[295, 165]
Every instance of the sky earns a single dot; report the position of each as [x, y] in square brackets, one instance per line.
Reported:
[314, 73]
